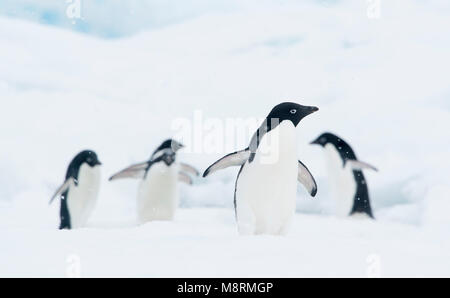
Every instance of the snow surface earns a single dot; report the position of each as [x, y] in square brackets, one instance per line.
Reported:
[382, 84]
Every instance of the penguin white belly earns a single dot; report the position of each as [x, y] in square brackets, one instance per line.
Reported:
[266, 188]
[82, 199]
[343, 184]
[158, 193]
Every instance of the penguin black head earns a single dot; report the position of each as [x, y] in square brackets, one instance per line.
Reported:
[341, 146]
[88, 157]
[290, 111]
[286, 111]
[326, 138]
[166, 152]
[169, 144]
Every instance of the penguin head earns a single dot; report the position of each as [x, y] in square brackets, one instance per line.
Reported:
[166, 152]
[169, 145]
[326, 138]
[88, 157]
[290, 111]
[341, 146]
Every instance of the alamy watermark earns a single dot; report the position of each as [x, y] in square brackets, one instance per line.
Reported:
[73, 269]
[373, 266]
[373, 9]
[203, 135]
[73, 10]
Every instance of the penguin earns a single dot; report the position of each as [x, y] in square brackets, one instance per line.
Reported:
[266, 185]
[347, 179]
[157, 198]
[79, 191]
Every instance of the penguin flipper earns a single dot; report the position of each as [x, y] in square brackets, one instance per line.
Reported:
[183, 177]
[68, 183]
[189, 169]
[135, 171]
[306, 179]
[360, 165]
[231, 160]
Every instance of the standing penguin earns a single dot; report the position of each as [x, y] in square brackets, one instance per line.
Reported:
[79, 191]
[157, 197]
[347, 179]
[266, 186]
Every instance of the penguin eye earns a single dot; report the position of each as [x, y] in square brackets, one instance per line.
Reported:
[293, 111]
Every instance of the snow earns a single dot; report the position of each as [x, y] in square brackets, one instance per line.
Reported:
[382, 84]
[203, 242]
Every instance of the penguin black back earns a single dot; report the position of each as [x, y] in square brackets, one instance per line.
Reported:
[361, 199]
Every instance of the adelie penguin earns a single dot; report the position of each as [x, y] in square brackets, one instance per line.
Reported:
[79, 191]
[349, 185]
[266, 186]
[157, 198]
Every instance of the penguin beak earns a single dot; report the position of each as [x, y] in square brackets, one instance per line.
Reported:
[315, 142]
[98, 163]
[310, 110]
